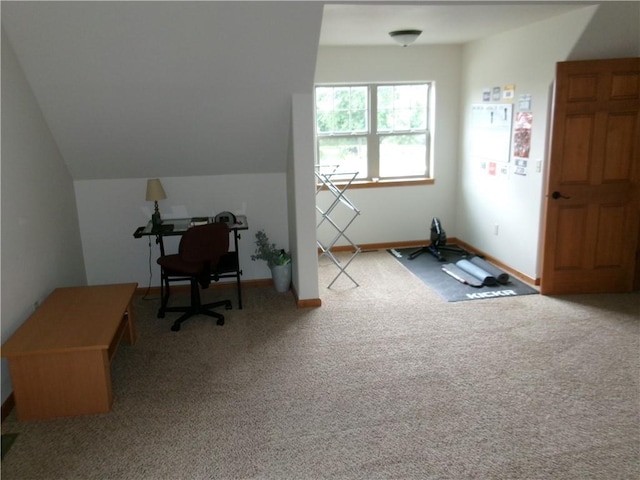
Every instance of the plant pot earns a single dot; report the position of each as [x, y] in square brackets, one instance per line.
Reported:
[281, 275]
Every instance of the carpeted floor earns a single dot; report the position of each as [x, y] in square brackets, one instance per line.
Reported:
[7, 442]
[384, 381]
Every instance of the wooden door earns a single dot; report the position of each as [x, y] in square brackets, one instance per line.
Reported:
[592, 206]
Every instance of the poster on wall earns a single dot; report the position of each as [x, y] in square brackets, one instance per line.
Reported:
[509, 93]
[522, 142]
[520, 167]
[491, 136]
[524, 102]
[522, 134]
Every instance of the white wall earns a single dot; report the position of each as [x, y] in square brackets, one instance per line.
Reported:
[526, 58]
[111, 210]
[402, 213]
[41, 247]
[301, 198]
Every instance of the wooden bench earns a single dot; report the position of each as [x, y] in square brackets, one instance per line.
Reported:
[60, 358]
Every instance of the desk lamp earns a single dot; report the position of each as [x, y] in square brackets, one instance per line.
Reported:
[155, 192]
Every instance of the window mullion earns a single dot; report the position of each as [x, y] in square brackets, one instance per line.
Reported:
[373, 143]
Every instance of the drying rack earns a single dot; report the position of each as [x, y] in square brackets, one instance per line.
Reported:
[324, 174]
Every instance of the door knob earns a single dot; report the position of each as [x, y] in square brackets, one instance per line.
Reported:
[556, 195]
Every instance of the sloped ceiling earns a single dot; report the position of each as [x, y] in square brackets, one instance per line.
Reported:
[145, 89]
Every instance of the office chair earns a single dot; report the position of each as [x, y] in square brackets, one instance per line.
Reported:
[201, 252]
[438, 244]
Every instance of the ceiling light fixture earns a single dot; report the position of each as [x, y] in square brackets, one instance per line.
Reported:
[405, 37]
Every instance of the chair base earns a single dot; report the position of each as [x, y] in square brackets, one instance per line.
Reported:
[436, 251]
[196, 307]
[191, 311]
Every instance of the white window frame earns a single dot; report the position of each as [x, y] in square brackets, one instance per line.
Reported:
[373, 137]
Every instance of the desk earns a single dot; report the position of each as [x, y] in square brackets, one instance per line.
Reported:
[179, 227]
[60, 358]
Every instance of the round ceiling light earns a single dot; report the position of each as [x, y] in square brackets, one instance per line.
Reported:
[405, 37]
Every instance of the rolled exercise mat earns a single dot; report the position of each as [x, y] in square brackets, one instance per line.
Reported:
[500, 276]
[485, 277]
[460, 275]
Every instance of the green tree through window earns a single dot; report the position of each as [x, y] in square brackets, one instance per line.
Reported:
[378, 131]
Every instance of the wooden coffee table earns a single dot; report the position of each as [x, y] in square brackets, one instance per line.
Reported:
[60, 358]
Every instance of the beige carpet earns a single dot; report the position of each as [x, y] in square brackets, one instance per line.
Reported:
[384, 381]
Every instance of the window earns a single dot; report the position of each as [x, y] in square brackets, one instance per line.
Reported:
[378, 131]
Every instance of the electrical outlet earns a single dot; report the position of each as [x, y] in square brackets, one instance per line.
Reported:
[496, 229]
[36, 304]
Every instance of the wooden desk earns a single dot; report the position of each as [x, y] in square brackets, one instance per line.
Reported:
[59, 359]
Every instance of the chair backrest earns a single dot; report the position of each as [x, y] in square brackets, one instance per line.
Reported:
[204, 243]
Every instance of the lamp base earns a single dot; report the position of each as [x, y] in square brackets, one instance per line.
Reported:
[156, 221]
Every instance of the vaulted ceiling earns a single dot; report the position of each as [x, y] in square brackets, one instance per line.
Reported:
[145, 89]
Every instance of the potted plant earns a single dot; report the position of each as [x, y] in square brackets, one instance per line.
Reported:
[278, 260]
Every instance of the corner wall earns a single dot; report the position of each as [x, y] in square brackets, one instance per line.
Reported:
[41, 248]
[398, 214]
[111, 210]
[301, 198]
[527, 58]
[511, 203]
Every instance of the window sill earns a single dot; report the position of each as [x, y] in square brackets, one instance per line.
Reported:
[402, 182]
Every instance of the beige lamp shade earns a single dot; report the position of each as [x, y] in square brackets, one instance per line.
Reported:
[155, 191]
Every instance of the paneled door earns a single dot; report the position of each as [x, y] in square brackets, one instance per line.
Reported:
[592, 206]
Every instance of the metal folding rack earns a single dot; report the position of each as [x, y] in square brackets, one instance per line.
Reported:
[324, 173]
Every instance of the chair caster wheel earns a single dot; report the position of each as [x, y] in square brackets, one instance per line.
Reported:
[220, 322]
[175, 328]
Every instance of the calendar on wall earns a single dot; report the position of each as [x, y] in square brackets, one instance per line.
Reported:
[491, 135]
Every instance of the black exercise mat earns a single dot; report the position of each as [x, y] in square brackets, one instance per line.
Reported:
[428, 269]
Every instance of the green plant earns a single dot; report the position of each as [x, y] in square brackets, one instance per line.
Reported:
[269, 252]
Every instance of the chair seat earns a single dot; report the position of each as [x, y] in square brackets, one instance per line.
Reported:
[174, 265]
